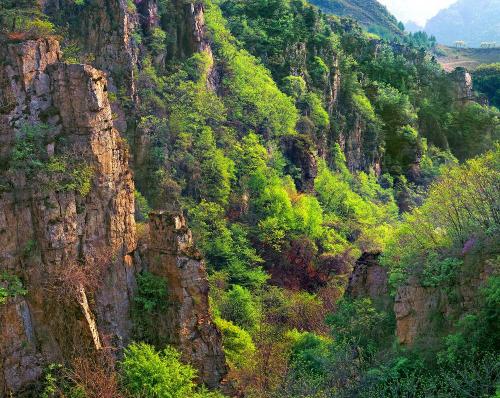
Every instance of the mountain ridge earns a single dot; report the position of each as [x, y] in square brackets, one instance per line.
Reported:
[373, 15]
[473, 22]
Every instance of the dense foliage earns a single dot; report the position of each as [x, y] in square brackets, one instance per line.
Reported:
[487, 82]
[299, 146]
[148, 373]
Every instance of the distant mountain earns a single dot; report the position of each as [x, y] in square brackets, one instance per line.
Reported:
[413, 27]
[471, 21]
[370, 13]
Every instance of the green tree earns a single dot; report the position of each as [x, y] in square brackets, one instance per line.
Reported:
[238, 345]
[217, 171]
[239, 307]
[487, 81]
[146, 372]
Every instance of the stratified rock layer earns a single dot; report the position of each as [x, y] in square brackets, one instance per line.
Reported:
[421, 311]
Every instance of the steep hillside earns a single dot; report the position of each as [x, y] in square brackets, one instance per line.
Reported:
[471, 21]
[370, 13]
[227, 198]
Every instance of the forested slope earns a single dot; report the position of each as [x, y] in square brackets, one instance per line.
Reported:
[252, 197]
[371, 14]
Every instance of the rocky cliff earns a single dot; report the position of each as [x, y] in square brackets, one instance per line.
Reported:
[172, 255]
[424, 312]
[52, 234]
[67, 228]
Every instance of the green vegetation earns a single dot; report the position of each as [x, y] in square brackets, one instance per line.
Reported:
[20, 20]
[371, 14]
[487, 82]
[150, 299]
[10, 286]
[57, 383]
[148, 373]
[302, 148]
[279, 256]
[238, 345]
[431, 239]
[56, 172]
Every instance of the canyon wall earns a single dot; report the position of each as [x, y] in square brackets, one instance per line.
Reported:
[67, 228]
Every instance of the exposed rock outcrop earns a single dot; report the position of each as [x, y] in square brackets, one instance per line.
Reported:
[463, 87]
[60, 226]
[172, 255]
[73, 245]
[422, 311]
[301, 154]
[104, 30]
[368, 279]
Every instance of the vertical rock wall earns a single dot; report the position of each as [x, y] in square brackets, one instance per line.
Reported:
[173, 256]
[74, 251]
[46, 230]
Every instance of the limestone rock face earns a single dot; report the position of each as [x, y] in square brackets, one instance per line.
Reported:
[62, 228]
[462, 82]
[104, 29]
[75, 251]
[368, 279]
[172, 255]
[25, 86]
[357, 138]
[413, 306]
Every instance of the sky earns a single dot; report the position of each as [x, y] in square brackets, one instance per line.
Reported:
[416, 10]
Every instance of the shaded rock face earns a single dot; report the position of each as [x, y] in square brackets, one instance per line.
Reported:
[368, 279]
[413, 307]
[186, 26]
[104, 29]
[462, 84]
[62, 228]
[74, 252]
[172, 255]
[357, 138]
[300, 152]
[148, 14]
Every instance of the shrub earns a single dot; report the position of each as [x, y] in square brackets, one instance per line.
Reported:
[146, 372]
[226, 246]
[59, 173]
[25, 23]
[158, 40]
[432, 235]
[150, 299]
[238, 344]
[359, 324]
[85, 378]
[238, 307]
[151, 292]
[66, 280]
[142, 207]
[10, 286]
[57, 384]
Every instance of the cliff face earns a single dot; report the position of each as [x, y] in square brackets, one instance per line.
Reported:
[368, 279]
[103, 30]
[463, 91]
[47, 231]
[422, 311]
[171, 254]
[67, 226]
